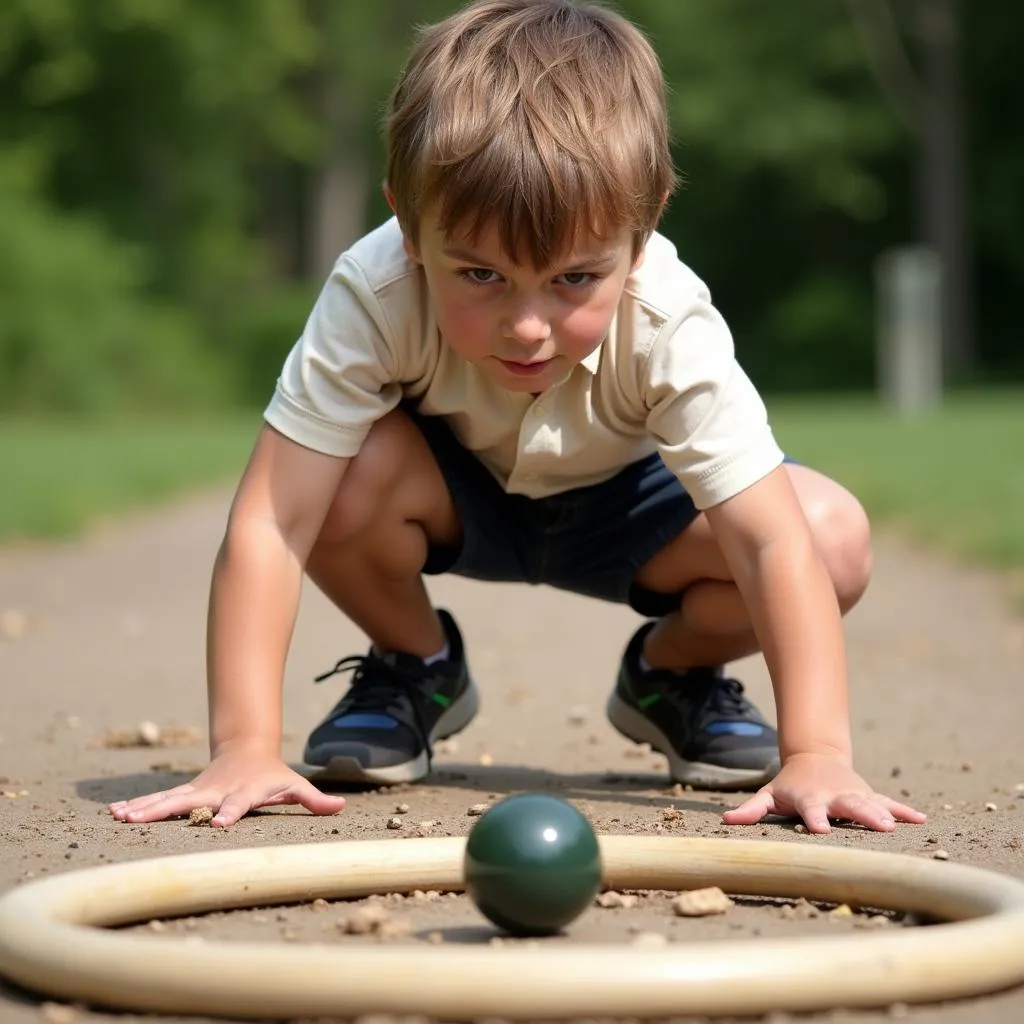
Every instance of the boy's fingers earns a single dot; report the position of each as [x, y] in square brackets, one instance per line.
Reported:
[124, 808]
[750, 811]
[815, 815]
[866, 809]
[138, 803]
[904, 813]
[233, 807]
[317, 802]
[305, 793]
[166, 806]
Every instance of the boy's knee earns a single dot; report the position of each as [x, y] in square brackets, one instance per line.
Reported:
[371, 480]
[842, 533]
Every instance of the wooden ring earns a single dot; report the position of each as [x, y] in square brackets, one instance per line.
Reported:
[44, 946]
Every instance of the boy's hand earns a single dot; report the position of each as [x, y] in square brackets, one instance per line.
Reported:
[816, 787]
[232, 784]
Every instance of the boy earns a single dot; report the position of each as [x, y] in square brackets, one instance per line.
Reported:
[517, 379]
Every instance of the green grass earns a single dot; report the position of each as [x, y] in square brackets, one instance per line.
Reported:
[953, 479]
[57, 477]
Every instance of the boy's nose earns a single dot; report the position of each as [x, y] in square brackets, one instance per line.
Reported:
[529, 327]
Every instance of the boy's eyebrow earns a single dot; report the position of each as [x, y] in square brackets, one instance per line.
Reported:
[465, 256]
[597, 259]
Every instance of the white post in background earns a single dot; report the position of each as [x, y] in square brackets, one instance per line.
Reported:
[909, 332]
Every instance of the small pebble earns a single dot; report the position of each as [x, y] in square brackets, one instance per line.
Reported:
[200, 816]
[991, 806]
[616, 900]
[476, 810]
[394, 929]
[940, 855]
[801, 828]
[394, 823]
[701, 902]
[149, 733]
[578, 715]
[402, 809]
[365, 920]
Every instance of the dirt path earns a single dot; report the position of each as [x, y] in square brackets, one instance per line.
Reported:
[111, 634]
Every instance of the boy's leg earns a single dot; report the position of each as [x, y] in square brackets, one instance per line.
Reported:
[412, 502]
[638, 539]
[393, 503]
[671, 690]
[414, 686]
[711, 625]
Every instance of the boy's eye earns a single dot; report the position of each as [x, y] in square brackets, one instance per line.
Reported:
[480, 275]
[578, 278]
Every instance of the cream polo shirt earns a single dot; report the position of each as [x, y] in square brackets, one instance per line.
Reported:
[664, 379]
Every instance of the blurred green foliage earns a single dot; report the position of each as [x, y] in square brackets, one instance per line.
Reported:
[78, 333]
[175, 177]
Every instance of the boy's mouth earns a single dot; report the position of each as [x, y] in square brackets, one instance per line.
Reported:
[526, 369]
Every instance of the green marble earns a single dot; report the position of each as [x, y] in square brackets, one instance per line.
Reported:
[532, 864]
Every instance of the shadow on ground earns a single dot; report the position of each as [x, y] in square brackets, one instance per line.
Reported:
[647, 790]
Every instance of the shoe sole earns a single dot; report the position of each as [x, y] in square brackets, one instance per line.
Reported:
[699, 774]
[342, 768]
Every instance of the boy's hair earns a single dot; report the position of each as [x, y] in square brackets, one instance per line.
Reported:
[545, 118]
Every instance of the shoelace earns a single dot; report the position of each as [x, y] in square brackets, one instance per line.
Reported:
[375, 684]
[726, 697]
[721, 695]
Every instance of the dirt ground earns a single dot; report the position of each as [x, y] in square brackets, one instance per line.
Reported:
[103, 634]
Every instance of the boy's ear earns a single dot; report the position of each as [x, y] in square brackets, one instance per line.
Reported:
[410, 249]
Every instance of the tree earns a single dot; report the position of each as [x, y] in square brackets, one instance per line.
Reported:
[930, 104]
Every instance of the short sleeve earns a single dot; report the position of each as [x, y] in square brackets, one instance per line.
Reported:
[343, 373]
[703, 411]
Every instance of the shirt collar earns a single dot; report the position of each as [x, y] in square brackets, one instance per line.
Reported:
[592, 361]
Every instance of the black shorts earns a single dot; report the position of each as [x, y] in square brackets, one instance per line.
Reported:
[589, 540]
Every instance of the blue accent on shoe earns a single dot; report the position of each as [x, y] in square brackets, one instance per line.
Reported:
[700, 719]
[364, 722]
[382, 728]
[735, 728]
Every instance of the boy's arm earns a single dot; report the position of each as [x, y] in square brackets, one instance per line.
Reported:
[277, 513]
[274, 521]
[769, 548]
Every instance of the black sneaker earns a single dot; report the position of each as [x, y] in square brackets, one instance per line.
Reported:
[713, 737]
[396, 707]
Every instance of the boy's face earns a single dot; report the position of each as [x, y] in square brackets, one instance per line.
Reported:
[526, 329]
